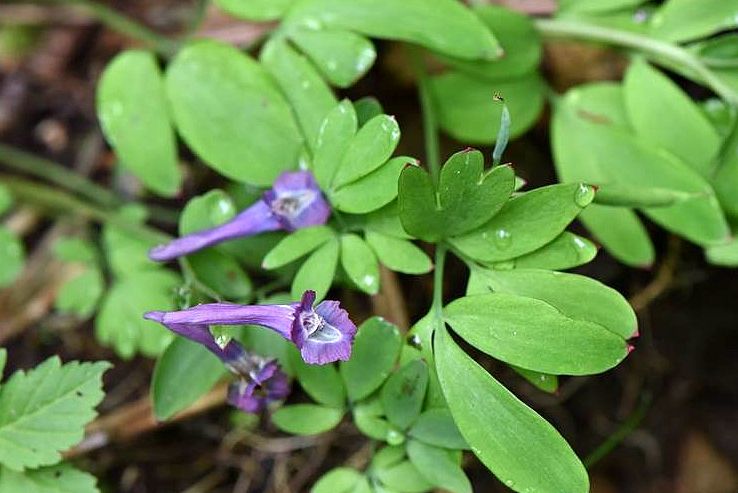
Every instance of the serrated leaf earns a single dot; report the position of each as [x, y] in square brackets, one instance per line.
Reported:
[127, 254]
[132, 107]
[526, 223]
[302, 86]
[251, 135]
[688, 134]
[306, 419]
[533, 334]
[336, 131]
[73, 249]
[257, 10]
[399, 255]
[81, 294]
[184, 372]
[564, 252]
[343, 57]
[376, 349]
[437, 467]
[403, 393]
[360, 264]
[374, 190]
[370, 148]
[684, 20]
[448, 27]
[43, 411]
[437, 427]
[321, 382]
[578, 297]
[12, 256]
[468, 112]
[120, 323]
[296, 245]
[62, 478]
[317, 271]
[338, 480]
[513, 441]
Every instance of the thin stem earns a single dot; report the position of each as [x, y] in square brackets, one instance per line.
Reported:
[56, 173]
[661, 52]
[430, 119]
[124, 25]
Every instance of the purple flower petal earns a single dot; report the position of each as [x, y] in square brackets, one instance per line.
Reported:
[294, 201]
[256, 219]
[324, 334]
[267, 385]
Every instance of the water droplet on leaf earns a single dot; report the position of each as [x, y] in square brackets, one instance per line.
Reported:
[584, 195]
[503, 239]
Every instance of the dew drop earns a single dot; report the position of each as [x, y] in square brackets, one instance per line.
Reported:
[222, 340]
[503, 239]
[584, 195]
[395, 437]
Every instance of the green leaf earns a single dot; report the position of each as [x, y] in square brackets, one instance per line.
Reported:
[684, 20]
[564, 252]
[448, 27]
[296, 245]
[132, 107]
[595, 6]
[374, 190]
[360, 264]
[321, 382]
[3, 360]
[517, 35]
[338, 480]
[222, 273]
[6, 199]
[43, 411]
[725, 180]
[468, 112]
[399, 255]
[437, 427]
[367, 108]
[127, 254]
[403, 393]
[577, 297]
[81, 294]
[71, 249]
[256, 10]
[388, 456]
[586, 145]
[367, 418]
[309, 95]
[621, 232]
[543, 381]
[687, 133]
[184, 372]
[61, 478]
[526, 223]
[403, 477]
[251, 135]
[386, 221]
[120, 323]
[437, 467]
[306, 419]
[369, 149]
[343, 57]
[12, 257]
[512, 440]
[336, 131]
[206, 211]
[629, 196]
[317, 271]
[376, 349]
[533, 334]
[725, 255]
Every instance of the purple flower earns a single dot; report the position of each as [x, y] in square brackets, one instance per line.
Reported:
[294, 201]
[268, 384]
[323, 334]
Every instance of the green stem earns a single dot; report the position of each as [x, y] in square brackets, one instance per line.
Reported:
[670, 55]
[430, 119]
[124, 25]
[620, 434]
[440, 263]
[64, 177]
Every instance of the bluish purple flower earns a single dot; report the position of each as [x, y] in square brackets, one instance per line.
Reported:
[323, 333]
[267, 384]
[294, 201]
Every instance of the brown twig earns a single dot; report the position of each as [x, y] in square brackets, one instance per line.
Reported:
[662, 281]
[390, 302]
